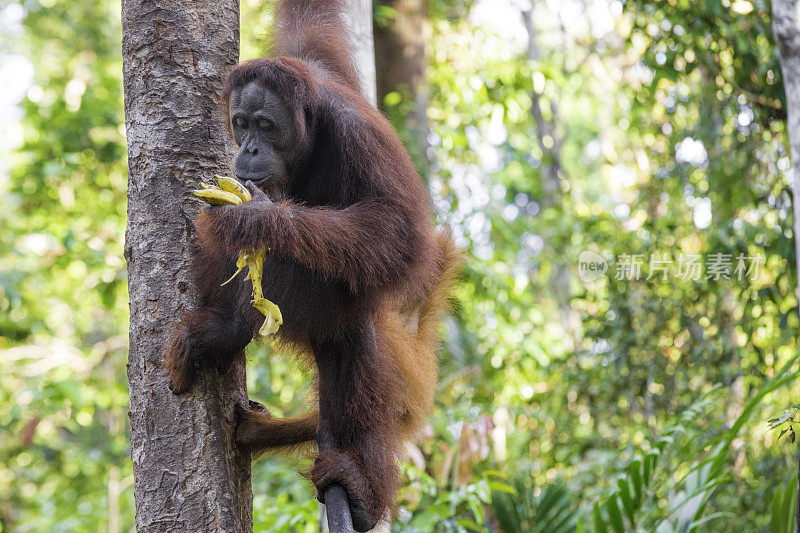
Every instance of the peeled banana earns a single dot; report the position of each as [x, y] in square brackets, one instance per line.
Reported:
[229, 191]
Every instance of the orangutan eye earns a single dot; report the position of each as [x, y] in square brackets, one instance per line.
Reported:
[266, 125]
[239, 122]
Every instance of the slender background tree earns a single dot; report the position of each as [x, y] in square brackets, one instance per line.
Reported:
[359, 24]
[402, 33]
[786, 27]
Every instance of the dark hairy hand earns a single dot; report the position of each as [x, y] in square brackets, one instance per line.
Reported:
[236, 227]
[258, 195]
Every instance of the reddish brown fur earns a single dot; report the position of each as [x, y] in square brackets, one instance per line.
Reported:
[360, 274]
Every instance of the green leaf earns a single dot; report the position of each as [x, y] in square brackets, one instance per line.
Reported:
[614, 515]
[597, 520]
[777, 520]
[499, 486]
[636, 479]
[625, 497]
[469, 524]
[789, 505]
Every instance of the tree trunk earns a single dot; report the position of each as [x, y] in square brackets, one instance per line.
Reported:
[188, 474]
[550, 141]
[786, 27]
[401, 60]
[400, 47]
[362, 46]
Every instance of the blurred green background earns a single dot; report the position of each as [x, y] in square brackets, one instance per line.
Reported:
[633, 129]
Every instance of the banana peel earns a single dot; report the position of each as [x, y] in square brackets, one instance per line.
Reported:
[240, 264]
[254, 261]
[273, 314]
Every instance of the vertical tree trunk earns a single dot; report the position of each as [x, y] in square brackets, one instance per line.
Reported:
[188, 475]
[359, 24]
[401, 60]
[786, 27]
[401, 47]
[550, 141]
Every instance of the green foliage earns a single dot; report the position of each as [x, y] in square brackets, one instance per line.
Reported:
[682, 468]
[452, 508]
[784, 506]
[63, 298]
[524, 512]
[282, 500]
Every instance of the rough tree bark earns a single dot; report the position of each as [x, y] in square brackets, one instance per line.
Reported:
[188, 474]
[786, 27]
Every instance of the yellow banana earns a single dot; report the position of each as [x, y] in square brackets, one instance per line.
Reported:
[233, 186]
[214, 196]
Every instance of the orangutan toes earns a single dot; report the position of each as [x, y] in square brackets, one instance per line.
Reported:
[249, 421]
[257, 407]
[333, 467]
